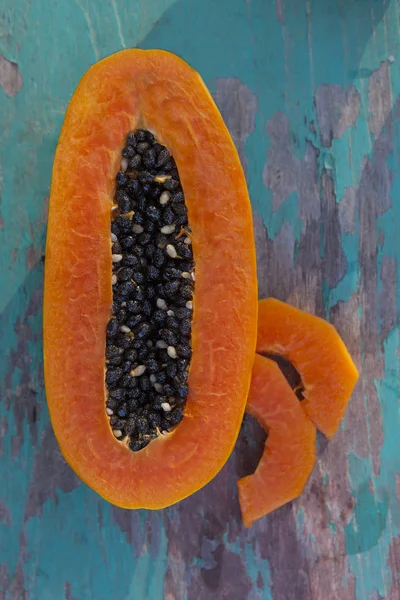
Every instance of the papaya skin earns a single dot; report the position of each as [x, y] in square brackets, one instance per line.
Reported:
[316, 350]
[290, 449]
[160, 92]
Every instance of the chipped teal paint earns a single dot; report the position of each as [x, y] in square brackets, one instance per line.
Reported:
[286, 213]
[371, 559]
[350, 282]
[369, 516]
[72, 544]
[256, 567]
[76, 521]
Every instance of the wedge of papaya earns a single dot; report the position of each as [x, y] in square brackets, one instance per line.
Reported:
[178, 181]
[290, 448]
[315, 349]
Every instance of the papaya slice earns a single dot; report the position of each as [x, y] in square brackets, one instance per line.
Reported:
[290, 448]
[147, 91]
[315, 349]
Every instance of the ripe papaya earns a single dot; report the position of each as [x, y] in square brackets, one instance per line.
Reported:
[290, 450]
[314, 347]
[150, 302]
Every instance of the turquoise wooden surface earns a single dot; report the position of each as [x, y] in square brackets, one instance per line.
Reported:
[310, 90]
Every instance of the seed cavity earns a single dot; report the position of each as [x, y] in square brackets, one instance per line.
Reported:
[148, 343]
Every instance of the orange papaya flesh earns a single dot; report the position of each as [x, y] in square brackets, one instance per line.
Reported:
[290, 448]
[315, 349]
[157, 91]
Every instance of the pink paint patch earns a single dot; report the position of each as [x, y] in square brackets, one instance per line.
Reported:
[10, 78]
[279, 11]
[394, 563]
[68, 595]
[398, 487]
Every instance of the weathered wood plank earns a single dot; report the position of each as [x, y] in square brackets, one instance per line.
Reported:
[310, 91]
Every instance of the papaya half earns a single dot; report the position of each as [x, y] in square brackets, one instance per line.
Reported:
[150, 301]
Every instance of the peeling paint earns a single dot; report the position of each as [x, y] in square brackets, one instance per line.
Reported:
[238, 106]
[10, 77]
[380, 98]
[50, 476]
[279, 10]
[337, 110]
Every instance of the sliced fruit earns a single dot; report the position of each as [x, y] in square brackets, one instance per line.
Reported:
[315, 349]
[290, 450]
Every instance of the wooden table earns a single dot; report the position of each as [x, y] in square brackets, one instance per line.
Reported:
[310, 92]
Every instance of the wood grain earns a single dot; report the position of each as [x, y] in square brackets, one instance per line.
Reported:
[310, 91]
